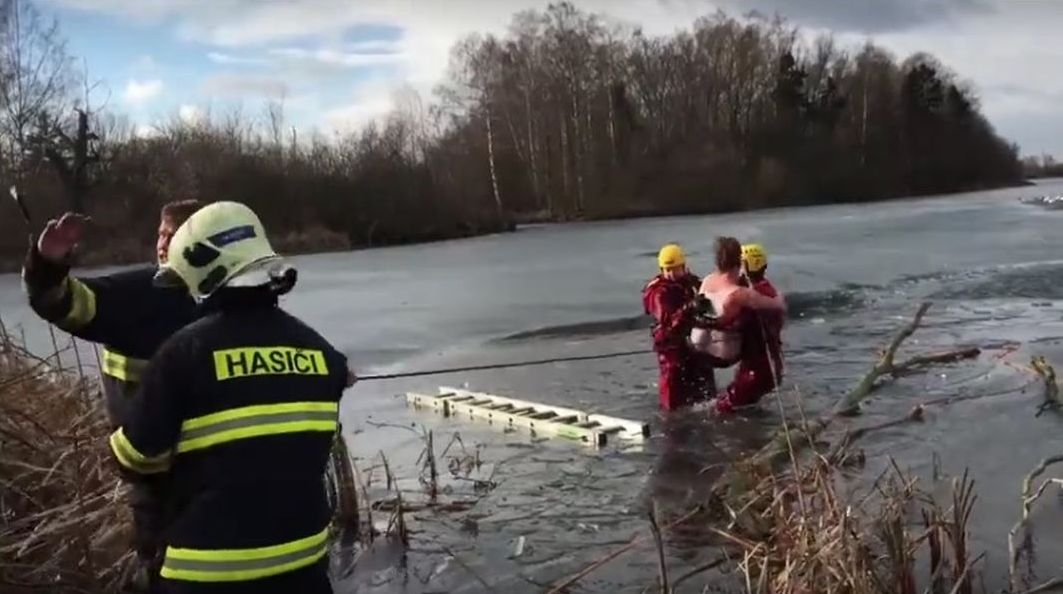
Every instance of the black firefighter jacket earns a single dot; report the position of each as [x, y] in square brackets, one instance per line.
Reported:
[240, 409]
[123, 312]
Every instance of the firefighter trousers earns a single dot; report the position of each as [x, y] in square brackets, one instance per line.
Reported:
[685, 379]
[752, 380]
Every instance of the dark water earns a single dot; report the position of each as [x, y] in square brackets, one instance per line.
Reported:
[853, 274]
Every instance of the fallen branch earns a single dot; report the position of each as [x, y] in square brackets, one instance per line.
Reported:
[1048, 376]
[944, 358]
[1052, 584]
[914, 415]
[885, 366]
[1027, 499]
[779, 447]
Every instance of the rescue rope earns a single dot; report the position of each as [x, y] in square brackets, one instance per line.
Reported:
[387, 376]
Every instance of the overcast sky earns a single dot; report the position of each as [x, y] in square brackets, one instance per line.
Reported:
[337, 62]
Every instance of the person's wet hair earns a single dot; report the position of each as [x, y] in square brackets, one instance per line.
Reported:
[178, 211]
[728, 253]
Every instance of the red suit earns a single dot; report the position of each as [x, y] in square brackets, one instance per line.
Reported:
[686, 377]
[761, 356]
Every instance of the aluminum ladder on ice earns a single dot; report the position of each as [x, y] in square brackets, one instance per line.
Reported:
[541, 419]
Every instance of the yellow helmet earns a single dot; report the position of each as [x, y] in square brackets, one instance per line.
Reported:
[221, 244]
[671, 256]
[754, 257]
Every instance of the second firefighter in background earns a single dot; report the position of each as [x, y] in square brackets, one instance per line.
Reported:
[239, 409]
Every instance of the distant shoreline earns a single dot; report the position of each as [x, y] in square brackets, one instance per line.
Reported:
[92, 259]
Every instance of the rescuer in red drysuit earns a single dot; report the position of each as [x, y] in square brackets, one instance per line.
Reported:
[671, 298]
[760, 367]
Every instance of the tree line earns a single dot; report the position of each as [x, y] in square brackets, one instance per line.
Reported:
[568, 115]
[1042, 166]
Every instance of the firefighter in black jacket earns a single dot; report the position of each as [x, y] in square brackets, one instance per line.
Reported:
[127, 315]
[239, 409]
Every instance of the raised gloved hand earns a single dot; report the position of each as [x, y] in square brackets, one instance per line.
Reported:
[61, 237]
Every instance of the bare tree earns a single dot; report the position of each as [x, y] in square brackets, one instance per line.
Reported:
[37, 73]
[566, 115]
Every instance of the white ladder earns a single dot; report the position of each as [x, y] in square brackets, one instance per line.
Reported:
[541, 419]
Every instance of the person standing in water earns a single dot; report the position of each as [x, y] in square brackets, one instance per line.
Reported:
[736, 330]
[671, 298]
[760, 368]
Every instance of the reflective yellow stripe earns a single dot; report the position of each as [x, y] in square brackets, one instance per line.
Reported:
[231, 565]
[257, 421]
[124, 368]
[275, 360]
[82, 304]
[131, 458]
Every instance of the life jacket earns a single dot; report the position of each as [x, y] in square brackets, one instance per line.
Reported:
[668, 302]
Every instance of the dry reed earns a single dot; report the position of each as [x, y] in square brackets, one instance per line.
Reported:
[65, 522]
[799, 532]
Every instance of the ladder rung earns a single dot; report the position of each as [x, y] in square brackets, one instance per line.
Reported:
[547, 419]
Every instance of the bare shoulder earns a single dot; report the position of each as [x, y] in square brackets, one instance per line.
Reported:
[708, 283]
[749, 295]
[743, 295]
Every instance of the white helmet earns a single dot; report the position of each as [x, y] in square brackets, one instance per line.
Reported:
[221, 244]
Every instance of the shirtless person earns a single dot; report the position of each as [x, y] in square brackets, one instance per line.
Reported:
[733, 302]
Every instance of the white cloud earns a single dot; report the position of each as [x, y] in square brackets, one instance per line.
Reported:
[229, 59]
[138, 93]
[190, 114]
[145, 131]
[334, 58]
[371, 101]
